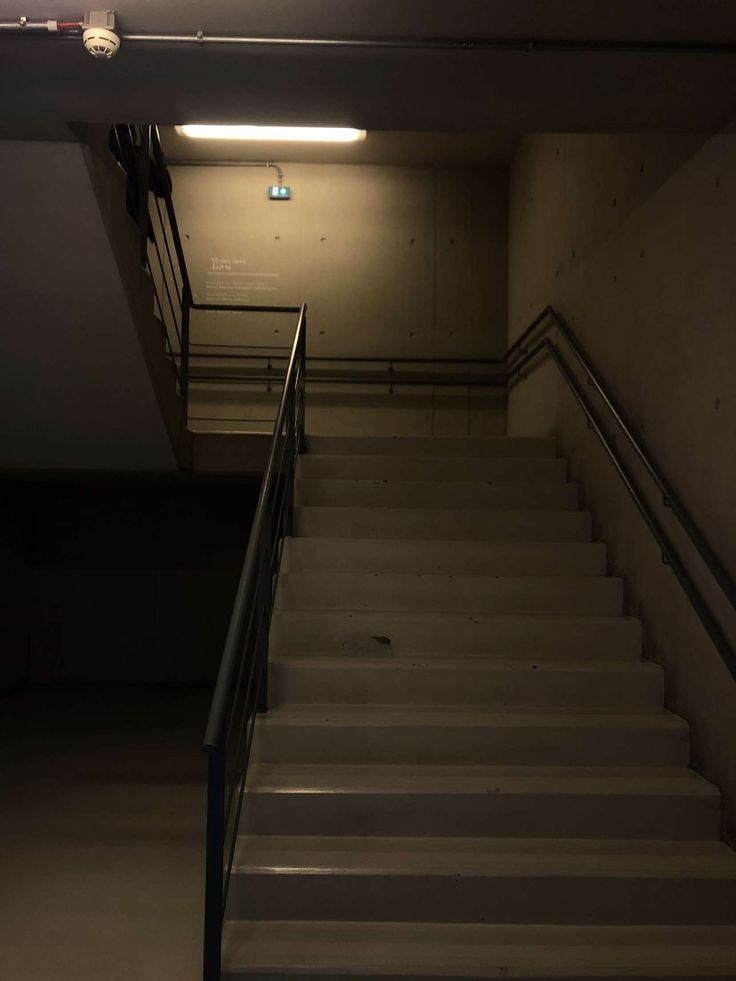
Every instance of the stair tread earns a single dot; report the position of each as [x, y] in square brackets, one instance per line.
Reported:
[444, 543]
[433, 633]
[519, 559]
[486, 950]
[442, 523]
[500, 857]
[535, 513]
[474, 662]
[458, 715]
[428, 779]
[571, 579]
[601, 618]
[455, 483]
[416, 547]
[451, 461]
[434, 446]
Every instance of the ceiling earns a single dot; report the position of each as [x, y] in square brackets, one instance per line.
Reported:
[379, 147]
[53, 81]
[632, 19]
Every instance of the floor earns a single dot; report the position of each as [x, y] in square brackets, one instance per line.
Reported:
[102, 833]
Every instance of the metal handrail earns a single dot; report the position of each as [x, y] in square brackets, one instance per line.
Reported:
[216, 711]
[521, 357]
[241, 687]
[670, 498]
[237, 366]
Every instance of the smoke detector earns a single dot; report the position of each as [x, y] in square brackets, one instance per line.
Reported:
[98, 34]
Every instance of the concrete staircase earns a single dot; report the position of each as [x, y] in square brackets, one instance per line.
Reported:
[467, 770]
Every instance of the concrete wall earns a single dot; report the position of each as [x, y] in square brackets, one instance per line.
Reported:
[632, 239]
[393, 261]
[75, 392]
[15, 594]
[133, 582]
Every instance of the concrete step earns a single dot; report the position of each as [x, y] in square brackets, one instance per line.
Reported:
[432, 446]
[434, 592]
[471, 524]
[481, 801]
[471, 558]
[468, 735]
[365, 467]
[326, 950]
[566, 638]
[355, 680]
[501, 495]
[481, 880]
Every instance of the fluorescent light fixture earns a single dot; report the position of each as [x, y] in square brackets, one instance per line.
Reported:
[292, 134]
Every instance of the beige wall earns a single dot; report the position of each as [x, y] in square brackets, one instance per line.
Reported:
[393, 261]
[632, 239]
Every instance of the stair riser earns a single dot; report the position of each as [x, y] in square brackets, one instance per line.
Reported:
[417, 744]
[313, 467]
[432, 446]
[386, 633]
[395, 684]
[466, 898]
[469, 558]
[555, 596]
[482, 815]
[447, 525]
[450, 494]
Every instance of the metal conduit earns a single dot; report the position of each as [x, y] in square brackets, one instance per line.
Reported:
[471, 44]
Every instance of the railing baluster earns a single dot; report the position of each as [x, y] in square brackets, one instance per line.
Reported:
[165, 284]
[214, 862]
[291, 451]
[184, 363]
[264, 600]
[143, 186]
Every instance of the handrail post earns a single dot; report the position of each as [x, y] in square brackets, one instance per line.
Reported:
[290, 452]
[186, 306]
[144, 174]
[215, 862]
[264, 601]
[301, 392]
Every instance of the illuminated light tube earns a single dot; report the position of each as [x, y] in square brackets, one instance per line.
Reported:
[292, 134]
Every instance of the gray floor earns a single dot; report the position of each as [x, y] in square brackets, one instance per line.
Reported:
[101, 834]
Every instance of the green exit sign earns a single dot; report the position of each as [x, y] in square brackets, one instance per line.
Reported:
[279, 192]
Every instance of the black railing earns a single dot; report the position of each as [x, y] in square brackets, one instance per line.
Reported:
[523, 355]
[150, 203]
[239, 368]
[241, 688]
[149, 199]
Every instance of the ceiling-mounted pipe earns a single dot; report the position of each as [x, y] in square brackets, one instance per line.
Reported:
[518, 45]
[228, 163]
[25, 26]
[471, 44]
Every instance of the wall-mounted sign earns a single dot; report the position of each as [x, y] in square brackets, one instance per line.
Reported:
[279, 192]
